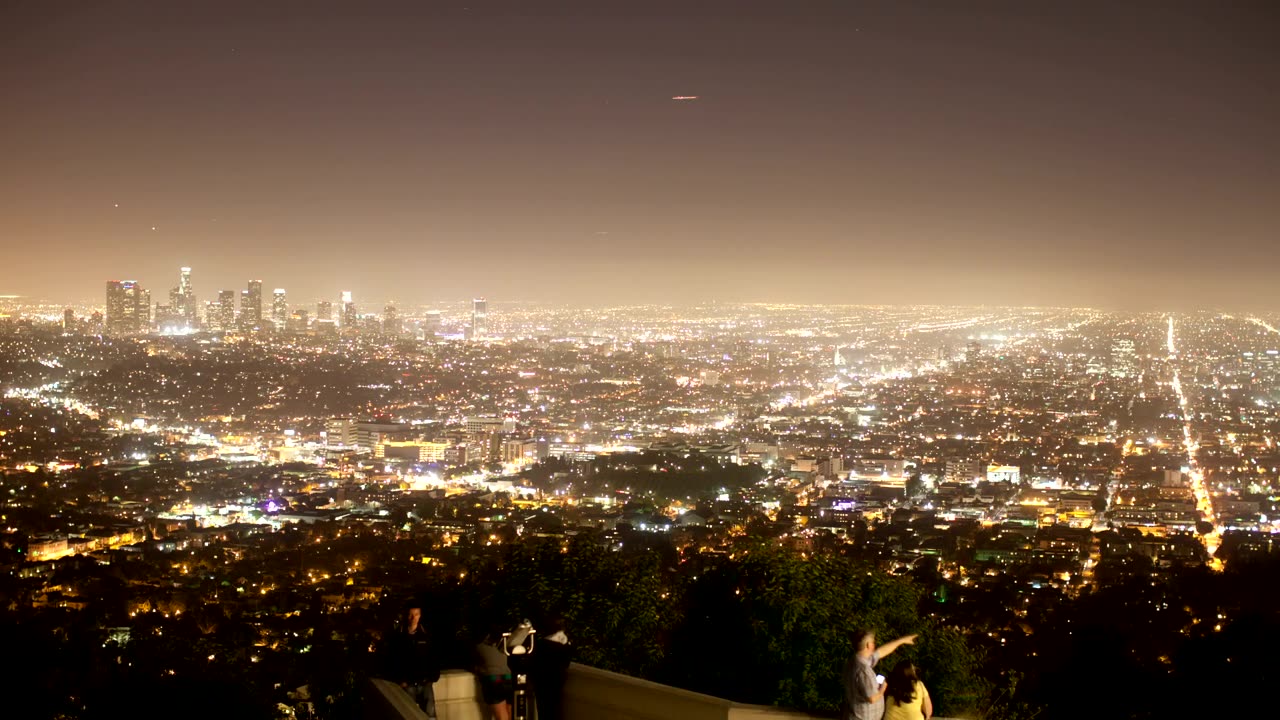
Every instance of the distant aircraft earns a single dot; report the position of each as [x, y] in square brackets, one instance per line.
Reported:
[684, 97]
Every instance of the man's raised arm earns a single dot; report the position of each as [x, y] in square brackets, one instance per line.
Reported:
[892, 645]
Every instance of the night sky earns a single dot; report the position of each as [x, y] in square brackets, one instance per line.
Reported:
[1113, 154]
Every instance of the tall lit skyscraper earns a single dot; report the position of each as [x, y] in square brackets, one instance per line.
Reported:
[479, 318]
[391, 320]
[128, 307]
[187, 293]
[255, 302]
[181, 313]
[226, 309]
[349, 319]
[279, 309]
[324, 310]
[431, 324]
[68, 320]
[251, 306]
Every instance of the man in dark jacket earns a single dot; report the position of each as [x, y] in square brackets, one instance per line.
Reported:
[413, 661]
[550, 669]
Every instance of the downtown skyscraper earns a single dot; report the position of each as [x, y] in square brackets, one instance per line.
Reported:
[185, 304]
[391, 322]
[349, 316]
[226, 310]
[479, 318]
[279, 309]
[251, 306]
[128, 308]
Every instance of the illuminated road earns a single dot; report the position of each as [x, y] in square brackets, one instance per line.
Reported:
[951, 324]
[1198, 488]
[1265, 324]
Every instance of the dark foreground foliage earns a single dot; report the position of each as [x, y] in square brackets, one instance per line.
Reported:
[765, 625]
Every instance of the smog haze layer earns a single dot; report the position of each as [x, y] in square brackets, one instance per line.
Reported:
[1096, 154]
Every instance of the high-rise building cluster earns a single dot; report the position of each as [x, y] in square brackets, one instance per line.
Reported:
[128, 307]
[129, 311]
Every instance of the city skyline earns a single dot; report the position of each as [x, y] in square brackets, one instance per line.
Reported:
[1012, 155]
[203, 299]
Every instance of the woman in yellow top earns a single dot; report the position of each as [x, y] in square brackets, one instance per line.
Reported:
[905, 696]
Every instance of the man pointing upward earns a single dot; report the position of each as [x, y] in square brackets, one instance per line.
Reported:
[863, 695]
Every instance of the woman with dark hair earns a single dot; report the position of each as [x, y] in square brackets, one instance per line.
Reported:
[905, 696]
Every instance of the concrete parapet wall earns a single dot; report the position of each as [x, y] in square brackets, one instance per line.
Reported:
[590, 694]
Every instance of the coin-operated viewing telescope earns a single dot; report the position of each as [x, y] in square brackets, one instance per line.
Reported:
[518, 645]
